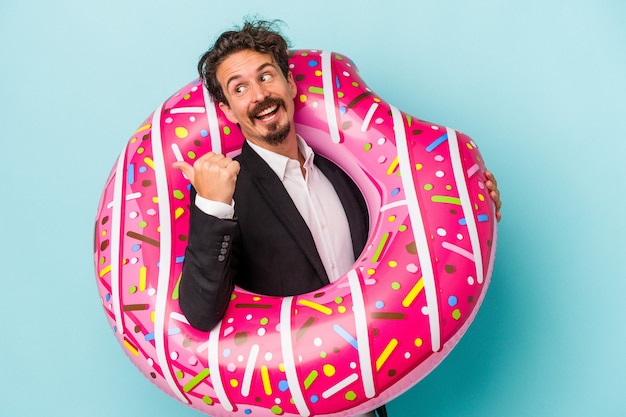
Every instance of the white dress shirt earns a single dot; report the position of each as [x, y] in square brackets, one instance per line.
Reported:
[316, 200]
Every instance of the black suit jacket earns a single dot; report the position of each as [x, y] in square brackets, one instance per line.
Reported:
[267, 248]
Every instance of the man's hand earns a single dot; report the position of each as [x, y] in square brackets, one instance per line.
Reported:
[494, 193]
[212, 175]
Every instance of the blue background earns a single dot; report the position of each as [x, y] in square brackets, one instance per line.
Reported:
[539, 84]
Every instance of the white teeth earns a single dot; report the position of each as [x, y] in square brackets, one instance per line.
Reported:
[267, 111]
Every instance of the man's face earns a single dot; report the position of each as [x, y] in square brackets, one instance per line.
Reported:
[260, 98]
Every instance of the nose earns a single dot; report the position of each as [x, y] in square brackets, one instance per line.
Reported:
[259, 92]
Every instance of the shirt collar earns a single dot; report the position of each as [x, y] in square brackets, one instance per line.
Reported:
[278, 162]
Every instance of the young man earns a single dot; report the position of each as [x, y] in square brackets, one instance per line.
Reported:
[278, 219]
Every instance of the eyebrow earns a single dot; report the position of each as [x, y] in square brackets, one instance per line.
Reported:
[259, 69]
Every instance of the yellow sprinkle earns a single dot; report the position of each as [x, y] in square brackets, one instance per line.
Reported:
[410, 297]
[155, 200]
[481, 197]
[386, 353]
[393, 166]
[152, 317]
[181, 132]
[392, 264]
[131, 348]
[105, 270]
[371, 271]
[315, 306]
[281, 367]
[149, 162]
[265, 377]
[142, 128]
[256, 298]
[418, 167]
[329, 370]
[142, 278]
[234, 383]
[302, 98]
[179, 212]
[318, 73]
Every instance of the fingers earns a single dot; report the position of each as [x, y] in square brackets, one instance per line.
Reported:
[185, 168]
[212, 175]
[494, 193]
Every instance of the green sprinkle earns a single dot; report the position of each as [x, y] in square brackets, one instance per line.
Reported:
[310, 379]
[380, 247]
[445, 199]
[196, 380]
[316, 90]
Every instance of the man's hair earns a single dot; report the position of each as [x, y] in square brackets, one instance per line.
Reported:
[258, 35]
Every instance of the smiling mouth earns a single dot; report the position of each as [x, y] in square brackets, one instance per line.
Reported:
[268, 113]
[265, 111]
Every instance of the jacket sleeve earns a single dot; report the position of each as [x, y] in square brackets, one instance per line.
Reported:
[209, 268]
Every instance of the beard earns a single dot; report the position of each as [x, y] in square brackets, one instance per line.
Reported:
[276, 133]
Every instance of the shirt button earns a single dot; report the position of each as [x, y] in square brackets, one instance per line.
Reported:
[224, 244]
[221, 258]
[226, 238]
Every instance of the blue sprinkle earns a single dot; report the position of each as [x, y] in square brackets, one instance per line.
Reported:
[142, 169]
[313, 63]
[283, 385]
[452, 301]
[180, 259]
[483, 217]
[395, 192]
[346, 336]
[437, 142]
[337, 83]
[342, 110]
[131, 174]
[107, 297]
[136, 247]
[204, 133]
[462, 221]
[314, 399]
[380, 304]
[247, 411]
[149, 336]
[226, 353]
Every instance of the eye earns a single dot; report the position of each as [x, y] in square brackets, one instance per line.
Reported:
[239, 89]
[266, 77]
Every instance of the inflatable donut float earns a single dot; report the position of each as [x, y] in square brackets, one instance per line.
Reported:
[346, 348]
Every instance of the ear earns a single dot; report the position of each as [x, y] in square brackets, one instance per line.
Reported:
[292, 85]
[228, 112]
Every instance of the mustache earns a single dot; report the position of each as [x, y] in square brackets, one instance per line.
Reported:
[265, 104]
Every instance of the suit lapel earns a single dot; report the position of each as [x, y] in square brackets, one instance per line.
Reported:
[274, 193]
